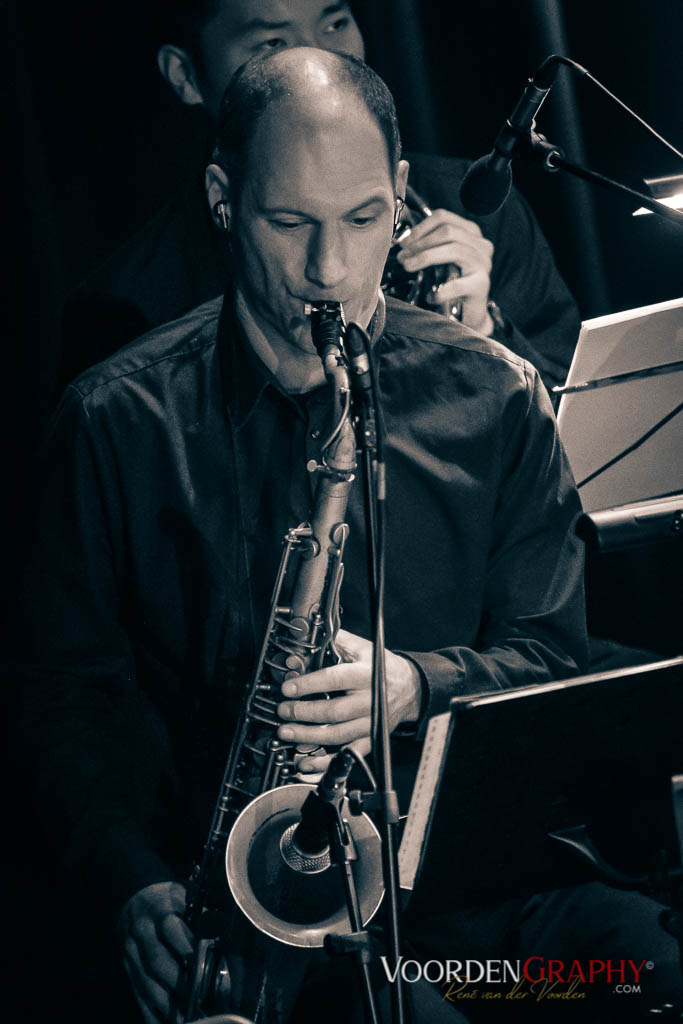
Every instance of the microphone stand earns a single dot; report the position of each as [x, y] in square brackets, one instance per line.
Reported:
[552, 159]
[342, 853]
[518, 134]
[370, 436]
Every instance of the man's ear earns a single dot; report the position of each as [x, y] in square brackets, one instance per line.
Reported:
[402, 178]
[177, 68]
[217, 192]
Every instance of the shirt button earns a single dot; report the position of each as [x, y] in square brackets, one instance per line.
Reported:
[315, 434]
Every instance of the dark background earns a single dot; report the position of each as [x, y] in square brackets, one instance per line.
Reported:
[95, 142]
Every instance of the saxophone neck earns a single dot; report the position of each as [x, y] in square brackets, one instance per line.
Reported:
[328, 330]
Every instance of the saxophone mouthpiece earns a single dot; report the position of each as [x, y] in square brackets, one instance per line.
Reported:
[329, 307]
[327, 332]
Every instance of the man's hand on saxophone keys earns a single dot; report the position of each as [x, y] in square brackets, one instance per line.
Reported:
[346, 718]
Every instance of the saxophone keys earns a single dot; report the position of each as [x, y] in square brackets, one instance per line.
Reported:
[295, 665]
[303, 751]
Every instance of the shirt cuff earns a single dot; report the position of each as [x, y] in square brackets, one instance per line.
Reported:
[462, 674]
[408, 730]
[439, 682]
[437, 677]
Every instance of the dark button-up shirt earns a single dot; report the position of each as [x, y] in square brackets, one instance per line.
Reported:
[172, 473]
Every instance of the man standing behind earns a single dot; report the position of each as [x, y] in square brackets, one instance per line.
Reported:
[508, 288]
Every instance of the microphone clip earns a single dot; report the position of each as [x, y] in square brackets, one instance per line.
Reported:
[538, 147]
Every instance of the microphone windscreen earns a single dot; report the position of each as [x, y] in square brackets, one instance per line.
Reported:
[485, 188]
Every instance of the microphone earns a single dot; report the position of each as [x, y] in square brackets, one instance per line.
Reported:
[305, 847]
[357, 344]
[487, 183]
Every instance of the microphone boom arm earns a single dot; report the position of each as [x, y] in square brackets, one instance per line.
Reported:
[488, 180]
[552, 159]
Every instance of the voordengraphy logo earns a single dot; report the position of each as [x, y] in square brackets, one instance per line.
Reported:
[534, 969]
[536, 979]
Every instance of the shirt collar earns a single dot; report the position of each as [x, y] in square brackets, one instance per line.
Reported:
[245, 376]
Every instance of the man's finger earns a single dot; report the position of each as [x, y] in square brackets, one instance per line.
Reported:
[350, 675]
[466, 257]
[442, 234]
[315, 765]
[355, 648]
[439, 217]
[319, 763]
[161, 967]
[326, 735]
[176, 935]
[154, 1001]
[337, 710]
[154, 958]
[460, 287]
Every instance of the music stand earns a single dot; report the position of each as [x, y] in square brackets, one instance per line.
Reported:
[620, 418]
[502, 772]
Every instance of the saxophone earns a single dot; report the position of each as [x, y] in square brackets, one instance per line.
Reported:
[260, 797]
[419, 287]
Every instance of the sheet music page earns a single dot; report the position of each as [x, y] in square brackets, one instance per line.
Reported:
[422, 799]
[597, 426]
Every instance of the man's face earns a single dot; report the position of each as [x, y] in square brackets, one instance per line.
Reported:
[244, 28]
[314, 220]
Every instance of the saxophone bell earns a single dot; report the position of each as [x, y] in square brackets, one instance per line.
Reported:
[298, 904]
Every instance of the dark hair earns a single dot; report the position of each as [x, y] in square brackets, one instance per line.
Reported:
[180, 22]
[261, 80]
